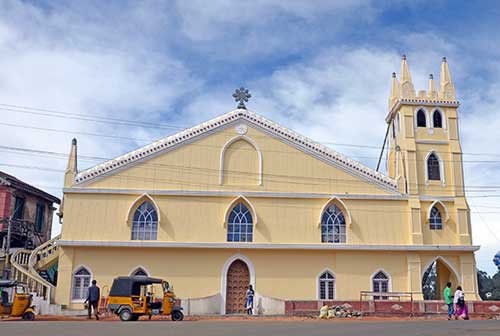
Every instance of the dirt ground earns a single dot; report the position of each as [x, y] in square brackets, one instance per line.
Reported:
[111, 318]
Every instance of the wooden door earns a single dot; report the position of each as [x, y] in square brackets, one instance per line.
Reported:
[237, 281]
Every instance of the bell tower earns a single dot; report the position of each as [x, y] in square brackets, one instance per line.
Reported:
[425, 155]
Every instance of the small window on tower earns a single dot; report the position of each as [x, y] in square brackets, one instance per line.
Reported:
[437, 120]
[421, 122]
[433, 169]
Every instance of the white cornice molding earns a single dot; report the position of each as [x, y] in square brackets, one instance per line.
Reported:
[417, 102]
[221, 193]
[299, 141]
[264, 246]
[433, 142]
[4, 182]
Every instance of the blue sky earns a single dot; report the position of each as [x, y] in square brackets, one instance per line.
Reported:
[319, 67]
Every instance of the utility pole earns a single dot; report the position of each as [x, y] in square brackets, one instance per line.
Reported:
[6, 270]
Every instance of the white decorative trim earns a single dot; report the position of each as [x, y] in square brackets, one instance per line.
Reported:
[447, 217]
[443, 118]
[426, 112]
[233, 203]
[441, 167]
[301, 142]
[134, 204]
[387, 274]
[140, 267]
[424, 102]
[241, 129]
[76, 269]
[222, 193]
[432, 142]
[264, 246]
[344, 207]
[225, 268]
[444, 261]
[318, 294]
[226, 146]
[434, 198]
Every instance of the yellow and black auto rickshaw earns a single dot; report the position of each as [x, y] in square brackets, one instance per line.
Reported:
[132, 297]
[16, 300]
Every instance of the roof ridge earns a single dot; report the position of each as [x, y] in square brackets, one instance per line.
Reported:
[221, 120]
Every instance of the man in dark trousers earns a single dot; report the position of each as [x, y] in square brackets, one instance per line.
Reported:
[93, 300]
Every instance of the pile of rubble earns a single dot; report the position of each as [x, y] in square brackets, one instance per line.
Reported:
[343, 311]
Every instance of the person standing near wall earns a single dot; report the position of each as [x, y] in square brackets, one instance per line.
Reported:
[249, 300]
[448, 298]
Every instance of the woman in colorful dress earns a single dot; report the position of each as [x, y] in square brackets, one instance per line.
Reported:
[461, 310]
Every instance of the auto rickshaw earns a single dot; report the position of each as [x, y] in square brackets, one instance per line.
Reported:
[16, 300]
[132, 297]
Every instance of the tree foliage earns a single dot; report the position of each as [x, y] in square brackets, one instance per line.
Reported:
[489, 287]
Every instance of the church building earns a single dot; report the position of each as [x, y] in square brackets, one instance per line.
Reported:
[241, 200]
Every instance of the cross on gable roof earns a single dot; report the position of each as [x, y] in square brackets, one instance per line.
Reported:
[297, 140]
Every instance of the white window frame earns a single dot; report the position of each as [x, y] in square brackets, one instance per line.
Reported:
[443, 119]
[426, 113]
[73, 281]
[441, 168]
[318, 285]
[389, 280]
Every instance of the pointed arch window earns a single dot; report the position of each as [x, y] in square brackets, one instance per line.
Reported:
[435, 219]
[433, 169]
[145, 222]
[380, 284]
[81, 283]
[421, 120]
[326, 286]
[437, 119]
[240, 224]
[333, 228]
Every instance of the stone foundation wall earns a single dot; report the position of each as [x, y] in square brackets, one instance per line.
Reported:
[391, 307]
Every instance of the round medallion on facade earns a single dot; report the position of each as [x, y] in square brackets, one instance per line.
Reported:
[241, 129]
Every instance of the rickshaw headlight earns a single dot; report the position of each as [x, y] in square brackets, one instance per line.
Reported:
[171, 300]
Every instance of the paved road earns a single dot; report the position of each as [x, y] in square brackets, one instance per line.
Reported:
[250, 328]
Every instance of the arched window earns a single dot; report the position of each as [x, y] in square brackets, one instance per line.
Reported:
[326, 286]
[81, 283]
[139, 272]
[240, 224]
[333, 229]
[421, 120]
[435, 220]
[437, 121]
[433, 170]
[380, 282]
[145, 222]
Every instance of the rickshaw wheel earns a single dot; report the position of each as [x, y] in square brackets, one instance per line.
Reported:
[28, 316]
[126, 315]
[177, 315]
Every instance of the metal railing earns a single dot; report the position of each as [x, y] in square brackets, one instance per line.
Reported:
[24, 268]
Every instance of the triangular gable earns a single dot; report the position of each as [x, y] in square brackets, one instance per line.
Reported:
[299, 141]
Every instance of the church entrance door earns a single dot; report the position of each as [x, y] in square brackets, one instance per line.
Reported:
[237, 281]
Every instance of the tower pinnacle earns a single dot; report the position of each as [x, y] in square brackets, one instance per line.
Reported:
[407, 89]
[446, 87]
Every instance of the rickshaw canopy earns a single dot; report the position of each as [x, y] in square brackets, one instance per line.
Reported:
[127, 286]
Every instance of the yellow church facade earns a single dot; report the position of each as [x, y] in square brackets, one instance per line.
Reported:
[242, 200]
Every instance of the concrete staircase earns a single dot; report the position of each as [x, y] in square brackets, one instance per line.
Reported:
[26, 268]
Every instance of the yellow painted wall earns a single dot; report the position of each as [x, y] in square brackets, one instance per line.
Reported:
[196, 166]
[201, 219]
[281, 274]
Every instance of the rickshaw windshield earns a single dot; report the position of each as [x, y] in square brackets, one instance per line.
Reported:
[166, 286]
[21, 290]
